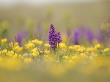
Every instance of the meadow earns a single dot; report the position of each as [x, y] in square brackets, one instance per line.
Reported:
[50, 46]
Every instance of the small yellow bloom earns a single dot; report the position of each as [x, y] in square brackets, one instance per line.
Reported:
[4, 51]
[82, 54]
[17, 48]
[91, 49]
[97, 46]
[71, 48]
[46, 45]
[29, 45]
[37, 42]
[4, 40]
[47, 51]
[62, 45]
[64, 38]
[34, 52]
[106, 49]
[10, 53]
[65, 57]
[15, 55]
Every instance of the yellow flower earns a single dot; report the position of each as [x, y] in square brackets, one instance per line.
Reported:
[37, 42]
[46, 45]
[47, 51]
[34, 52]
[29, 45]
[71, 48]
[15, 55]
[10, 53]
[17, 48]
[62, 45]
[64, 38]
[3, 41]
[4, 51]
[82, 54]
[106, 49]
[97, 46]
[11, 44]
[76, 47]
[65, 57]
[90, 49]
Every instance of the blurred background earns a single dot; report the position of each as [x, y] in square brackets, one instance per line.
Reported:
[32, 18]
[36, 15]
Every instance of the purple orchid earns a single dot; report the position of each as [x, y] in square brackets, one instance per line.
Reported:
[89, 35]
[54, 37]
[82, 32]
[76, 37]
[20, 36]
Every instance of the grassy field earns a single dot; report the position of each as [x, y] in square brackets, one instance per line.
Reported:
[55, 43]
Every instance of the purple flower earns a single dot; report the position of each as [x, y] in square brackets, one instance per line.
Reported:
[68, 32]
[54, 38]
[59, 39]
[103, 36]
[89, 35]
[82, 32]
[19, 37]
[76, 37]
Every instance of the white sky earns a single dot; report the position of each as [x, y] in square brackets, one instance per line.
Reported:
[43, 1]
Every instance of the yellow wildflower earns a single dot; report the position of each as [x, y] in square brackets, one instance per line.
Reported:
[4, 51]
[34, 52]
[29, 45]
[17, 48]
[71, 48]
[3, 41]
[37, 42]
[106, 49]
[97, 46]
[62, 45]
[47, 51]
[46, 45]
